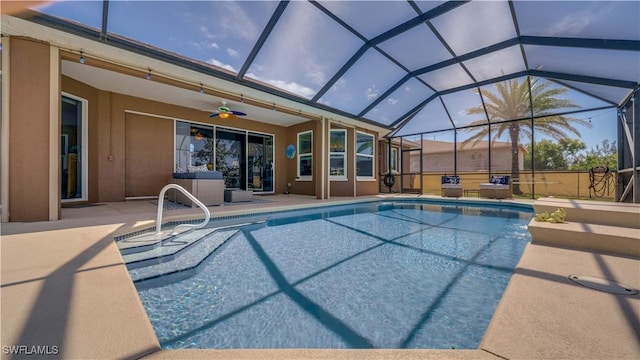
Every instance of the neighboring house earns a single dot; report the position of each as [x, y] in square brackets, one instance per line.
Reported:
[438, 156]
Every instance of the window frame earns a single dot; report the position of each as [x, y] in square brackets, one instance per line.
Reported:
[342, 153]
[300, 154]
[393, 166]
[372, 156]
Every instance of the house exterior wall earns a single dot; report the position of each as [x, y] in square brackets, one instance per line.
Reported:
[123, 128]
[303, 187]
[122, 107]
[109, 115]
[149, 159]
[29, 176]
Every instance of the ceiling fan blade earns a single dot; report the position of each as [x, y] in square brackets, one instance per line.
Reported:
[214, 114]
[239, 113]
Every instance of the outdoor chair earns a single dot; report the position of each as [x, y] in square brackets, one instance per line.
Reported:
[450, 186]
[498, 187]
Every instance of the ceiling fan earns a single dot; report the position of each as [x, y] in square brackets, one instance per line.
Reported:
[225, 113]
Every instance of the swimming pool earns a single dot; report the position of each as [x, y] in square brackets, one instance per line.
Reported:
[374, 275]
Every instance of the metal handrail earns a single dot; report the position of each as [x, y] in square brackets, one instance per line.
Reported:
[207, 214]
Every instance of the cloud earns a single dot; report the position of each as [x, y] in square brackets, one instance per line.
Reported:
[340, 84]
[207, 41]
[324, 102]
[196, 45]
[234, 14]
[232, 52]
[316, 75]
[206, 33]
[219, 64]
[572, 24]
[292, 54]
[293, 88]
[372, 93]
[392, 101]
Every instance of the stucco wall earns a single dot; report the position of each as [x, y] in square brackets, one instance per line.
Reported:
[304, 187]
[149, 154]
[108, 114]
[29, 131]
[468, 160]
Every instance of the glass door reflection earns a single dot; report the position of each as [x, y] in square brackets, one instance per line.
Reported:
[230, 159]
[260, 162]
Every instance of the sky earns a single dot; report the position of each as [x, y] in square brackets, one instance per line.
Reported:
[307, 47]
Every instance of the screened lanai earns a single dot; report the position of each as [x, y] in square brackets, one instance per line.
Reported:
[543, 91]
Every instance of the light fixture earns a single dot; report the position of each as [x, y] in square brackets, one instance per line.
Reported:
[199, 136]
[223, 115]
[201, 89]
[149, 74]
[81, 60]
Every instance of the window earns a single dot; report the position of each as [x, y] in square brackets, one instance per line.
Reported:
[338, 154]
[305, 155]
[394, 159]
[389, 158]
[364, 156]
[194, 147]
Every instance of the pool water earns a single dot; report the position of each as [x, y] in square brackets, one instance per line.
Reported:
[399, 275]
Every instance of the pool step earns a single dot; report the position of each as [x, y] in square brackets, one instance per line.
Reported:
[590, 225]
[162, 251]
[593, 237]
[186, 258]
[593, 212]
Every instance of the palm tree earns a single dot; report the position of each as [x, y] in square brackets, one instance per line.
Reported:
[512, 102]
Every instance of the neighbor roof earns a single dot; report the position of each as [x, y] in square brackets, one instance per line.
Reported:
[417, 64]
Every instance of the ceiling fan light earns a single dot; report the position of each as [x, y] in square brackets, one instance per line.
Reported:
[224, 115]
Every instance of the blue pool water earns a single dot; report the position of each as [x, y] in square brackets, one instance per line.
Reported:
[392, 275]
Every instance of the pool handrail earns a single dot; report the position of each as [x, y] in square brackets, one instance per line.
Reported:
[207, 214]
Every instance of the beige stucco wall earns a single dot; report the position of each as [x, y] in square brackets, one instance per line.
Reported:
[468, 160]
[305, 187]
[128, 154]
[108, 120]
[149, 154]
[29, 140]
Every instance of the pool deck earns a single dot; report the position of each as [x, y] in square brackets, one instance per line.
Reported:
[66, 289]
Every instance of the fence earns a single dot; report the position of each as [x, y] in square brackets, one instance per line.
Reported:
[564, 184]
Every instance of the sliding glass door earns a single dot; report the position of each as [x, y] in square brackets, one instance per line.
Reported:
[72, 153]
[244, 158]
[260, 162]
[230, 157]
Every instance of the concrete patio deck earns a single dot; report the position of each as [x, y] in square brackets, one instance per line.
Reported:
[66, 289]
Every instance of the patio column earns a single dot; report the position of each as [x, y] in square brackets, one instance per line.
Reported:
[33, 127]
